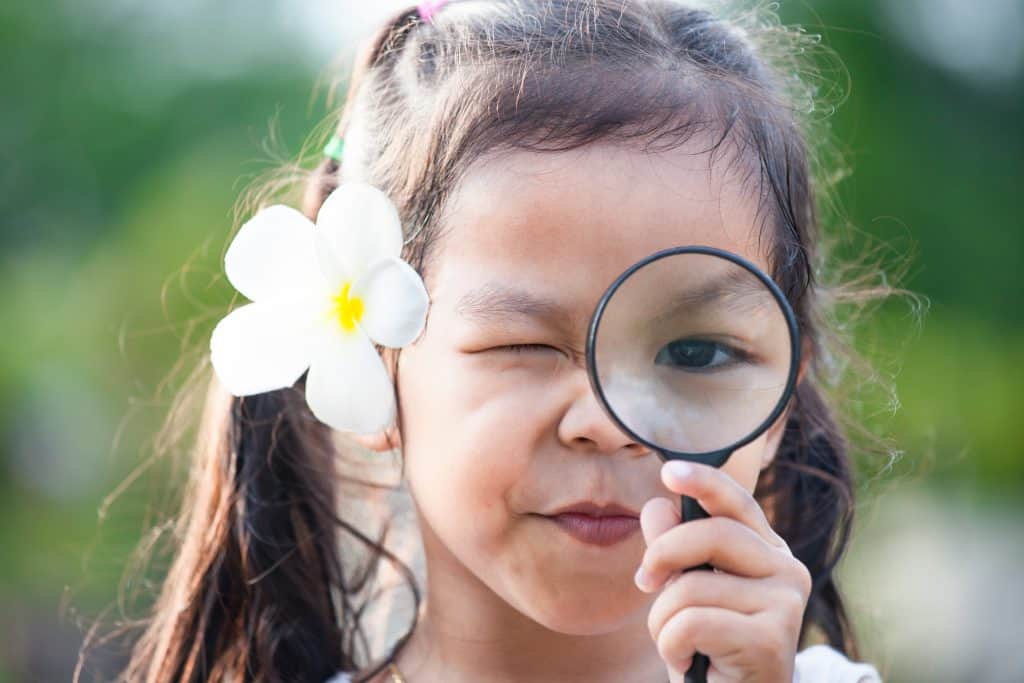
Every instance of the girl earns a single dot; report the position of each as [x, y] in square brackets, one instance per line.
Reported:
[530, 151]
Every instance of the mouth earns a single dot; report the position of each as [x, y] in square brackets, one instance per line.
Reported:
[593, 524]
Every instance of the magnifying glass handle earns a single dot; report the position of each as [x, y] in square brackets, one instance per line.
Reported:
[698, 672]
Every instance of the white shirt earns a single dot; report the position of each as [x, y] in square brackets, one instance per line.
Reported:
[822, 664]
[815, 664]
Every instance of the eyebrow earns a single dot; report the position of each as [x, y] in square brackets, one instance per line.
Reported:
[735, 286]
[494, 302]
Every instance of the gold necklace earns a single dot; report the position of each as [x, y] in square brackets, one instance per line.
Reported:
[396, 675]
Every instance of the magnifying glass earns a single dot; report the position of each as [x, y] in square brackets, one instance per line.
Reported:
[693, 352]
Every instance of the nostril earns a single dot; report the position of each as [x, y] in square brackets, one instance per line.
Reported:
[584, 441]
[637, 449]
[585, 426]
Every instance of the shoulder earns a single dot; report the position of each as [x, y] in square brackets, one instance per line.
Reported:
[822, 664]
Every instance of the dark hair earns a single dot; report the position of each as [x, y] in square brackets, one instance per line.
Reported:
[263, 582]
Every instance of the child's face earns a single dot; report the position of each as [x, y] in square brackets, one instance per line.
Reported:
[494, 439]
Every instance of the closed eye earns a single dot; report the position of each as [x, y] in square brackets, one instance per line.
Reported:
[524, 348]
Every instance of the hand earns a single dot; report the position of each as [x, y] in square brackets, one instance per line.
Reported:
[746, 615]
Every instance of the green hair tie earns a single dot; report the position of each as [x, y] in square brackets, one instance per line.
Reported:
[334, 147]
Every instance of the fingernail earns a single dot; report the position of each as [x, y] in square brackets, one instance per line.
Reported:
[679, 469]
[640, 579]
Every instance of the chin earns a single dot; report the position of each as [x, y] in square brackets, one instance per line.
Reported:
[588, 612]
[585, 622]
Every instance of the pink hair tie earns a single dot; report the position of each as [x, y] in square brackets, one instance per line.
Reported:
[428, 8]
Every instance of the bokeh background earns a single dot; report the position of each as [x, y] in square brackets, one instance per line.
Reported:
[127, 130]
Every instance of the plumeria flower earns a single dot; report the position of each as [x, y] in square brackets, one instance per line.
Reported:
[322, 295]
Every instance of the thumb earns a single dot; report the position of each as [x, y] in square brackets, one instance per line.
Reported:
[657, 516]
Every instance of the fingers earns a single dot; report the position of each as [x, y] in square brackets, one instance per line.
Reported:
[711, 589]
[712, 631]
[724, 543]
[700, 589]
[747, 615]
[720, 495]
[657, 516]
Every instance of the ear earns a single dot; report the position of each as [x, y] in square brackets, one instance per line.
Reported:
[778, 428]
[806, 357]
[381, 441]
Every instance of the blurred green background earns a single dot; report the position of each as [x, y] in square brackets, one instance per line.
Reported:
[127, 130]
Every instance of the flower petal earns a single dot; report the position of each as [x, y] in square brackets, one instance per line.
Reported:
[348, 387]
[260, 347]
[273, 254]
[332, 269]
[395, 302]
[361, 225]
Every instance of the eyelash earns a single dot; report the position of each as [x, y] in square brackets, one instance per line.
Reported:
[523, 348]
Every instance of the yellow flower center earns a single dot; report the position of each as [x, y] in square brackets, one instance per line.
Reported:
[347, 309]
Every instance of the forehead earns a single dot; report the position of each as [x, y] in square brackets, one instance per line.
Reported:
[563, 225]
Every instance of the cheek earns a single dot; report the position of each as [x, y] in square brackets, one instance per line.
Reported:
[477, 446]
[468, 439]
[745, 464]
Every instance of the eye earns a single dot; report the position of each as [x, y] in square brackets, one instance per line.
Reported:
[698, 355]
[524, 348]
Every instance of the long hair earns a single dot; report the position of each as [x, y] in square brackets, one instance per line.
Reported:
[262, 587]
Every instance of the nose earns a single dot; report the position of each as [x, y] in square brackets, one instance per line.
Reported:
[586, 426]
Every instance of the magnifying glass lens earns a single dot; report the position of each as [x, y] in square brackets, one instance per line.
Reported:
[692, 352]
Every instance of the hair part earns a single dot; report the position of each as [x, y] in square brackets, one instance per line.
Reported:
[262, 585]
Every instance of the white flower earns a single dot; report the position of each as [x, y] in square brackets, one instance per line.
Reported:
[320, 294]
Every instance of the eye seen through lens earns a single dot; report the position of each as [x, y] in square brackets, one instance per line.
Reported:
[695, 355]
[692, 352]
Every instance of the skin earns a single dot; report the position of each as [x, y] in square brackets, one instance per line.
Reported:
[492, 438]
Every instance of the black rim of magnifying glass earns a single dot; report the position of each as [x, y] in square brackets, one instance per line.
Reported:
[716, 457]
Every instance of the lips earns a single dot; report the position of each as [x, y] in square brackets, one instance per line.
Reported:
[600, 525]
[586, 507]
